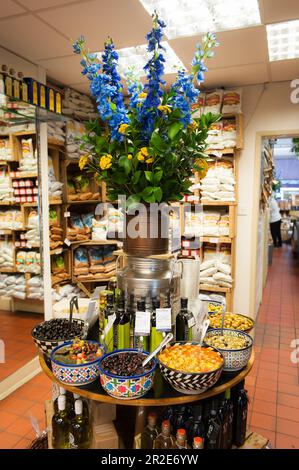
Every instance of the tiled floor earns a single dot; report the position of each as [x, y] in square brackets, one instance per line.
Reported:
[273, 383]
[15, 331]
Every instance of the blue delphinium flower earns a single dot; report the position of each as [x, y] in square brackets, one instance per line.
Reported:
[184, 95]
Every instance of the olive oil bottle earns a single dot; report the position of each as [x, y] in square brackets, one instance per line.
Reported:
[184, 322]
[121, 327]
[61, 426]
[141, 342]
[109, 312]
[156, 336]
[80, 435]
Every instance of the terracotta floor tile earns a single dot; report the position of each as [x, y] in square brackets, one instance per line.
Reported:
[265, 394]
[285, 426]
[267, 374]
[288, 400]
[286, 442]
[14, 405]
[263, 421]
[23, 443]
[8, 441]
[6, 419]
[288, 379]
[21, 427]
[267, 384]
[288, 412]
[265, 407]
[273, 366]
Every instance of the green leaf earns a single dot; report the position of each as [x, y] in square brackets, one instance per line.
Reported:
[158, 194]
[125, 164]
[119, 178]
[149, 198]
[149, 176]
[157, 142]
[157, 176]
[136, 177]
[174, 129]
[113, 106]
[133, 200]
[147, 191]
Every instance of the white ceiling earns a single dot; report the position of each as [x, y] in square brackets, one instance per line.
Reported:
[42, 31]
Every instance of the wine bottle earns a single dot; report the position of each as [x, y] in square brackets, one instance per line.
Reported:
[141, 342]
[156, 337]
[61, 426]
[121, 327]
[69, 400]
[131, 313]
[213, 431]
[150, 432]
[198, 443]
[184, 322]
[197, 429]
[80, 429]
[85, 405]
[180, 418]
[230, 418]
[108, 333]
[240, 415]
[164, 440]
[181, 440]
[223, 416]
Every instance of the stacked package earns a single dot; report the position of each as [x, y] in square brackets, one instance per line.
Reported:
[28, 160]
[25, 190]
[66, 292]
[6, 254]
[215, 224]
[58, 269]
[222, 134]
[13, 286]
[32, 235]
[215, 270]
[35, 288]
[5, 150]
[80, 188]
[56, 130]
[94, 262]
[109, 226]
[74, 132]
[77, 105]
[55, 188]
[79, 228]
[6, 191]
[28, 262]
[11, 220]
[219, 183]
[56, 232]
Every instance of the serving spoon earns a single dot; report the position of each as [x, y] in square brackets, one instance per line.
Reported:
[163, 343]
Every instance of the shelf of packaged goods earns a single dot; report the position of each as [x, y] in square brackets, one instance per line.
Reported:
[57, 251]
[6, 232]
[28, 132]
[7, 270]
[55, 201]
[228, 151]
[162, 256]
[29, 204]
[96, 242]
[204, 202]
[56, 282]
[208, 287]
[103, 277]
[88, 201]
[34, 245]
[7, 162]
[25, 174]
[215, 240]
[55, 142]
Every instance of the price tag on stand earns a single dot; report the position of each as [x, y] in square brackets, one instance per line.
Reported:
[111, 320]
[163, 319]
[67, 214]
[67, 242]
[191, 321]
[91, 309]
[142, 323]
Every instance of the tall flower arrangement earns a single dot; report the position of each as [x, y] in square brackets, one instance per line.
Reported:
[147, 149]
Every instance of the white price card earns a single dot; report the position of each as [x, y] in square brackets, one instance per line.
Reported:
[111, 320]
[67, 242]
[91, 309]
[163, 319]
[67, 214]
[191, 321]
[142, 323]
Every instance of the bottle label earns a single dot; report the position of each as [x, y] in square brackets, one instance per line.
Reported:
[191, 321]
[123, 336]
[16, 89]
[163, 319]
[142, 323]
[58, 103]
[51, 100]
[24, 92]
[34, 93]
[42, 96]
[8, 86]
[72, 441]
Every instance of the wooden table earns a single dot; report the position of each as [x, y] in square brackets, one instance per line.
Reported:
[162, 394]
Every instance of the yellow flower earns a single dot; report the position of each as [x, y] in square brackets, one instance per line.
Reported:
[203, 164]
[142, 154]
[150, 160]
[130, 156]
[142, 95]
[122, 128]
[82, 162]
[105, 162]
[164, 108]
[144, 151]
[192, 126]
[140, 157]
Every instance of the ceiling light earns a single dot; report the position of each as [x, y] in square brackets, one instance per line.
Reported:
[283, 40]
[194, 17]
[137, 57]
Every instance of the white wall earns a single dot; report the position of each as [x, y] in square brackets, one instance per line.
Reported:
[266, 109]
[20, 65]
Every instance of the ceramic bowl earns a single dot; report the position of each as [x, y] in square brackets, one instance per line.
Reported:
[75, 374]
[127, 388]
[240, 315]
[190, 383]
[46, 346]
[235, 359]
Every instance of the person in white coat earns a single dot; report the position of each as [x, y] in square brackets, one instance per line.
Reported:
[275, 222]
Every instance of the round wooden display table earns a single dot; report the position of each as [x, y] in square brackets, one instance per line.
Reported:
[162, 394]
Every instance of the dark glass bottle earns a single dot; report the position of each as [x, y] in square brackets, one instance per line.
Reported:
[198, 443]
[240, 415]
[69, 401]
[213, 430]
[179, 418]
[121, 327]
[168, 415]
[230, 418]
[80, 429]
[141, 342]
[156, 337]
[181, 440]
[109, 311]
[131, 313]
[150, 432]
[85, 405]
[61, 426]
[197, 428]
[223, 415]
[165, 440]
[184, 322]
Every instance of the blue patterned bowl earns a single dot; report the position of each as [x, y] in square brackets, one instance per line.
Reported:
[75, 374]
[190, 383]
[126, 387]
[235, 359]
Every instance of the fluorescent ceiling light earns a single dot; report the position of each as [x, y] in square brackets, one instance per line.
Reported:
[283, 40]
[193, 17]
[137, 57]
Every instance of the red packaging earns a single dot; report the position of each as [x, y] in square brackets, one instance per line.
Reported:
[29, 198]
[15, 184]
[35, 190]
[18, 199]
[35, 198]
[22, 191]
[22, 236]
[21, 184]
[16, 192]
[28, 191]
[28, 183]
[12, 174]
[17, 244]
[23, 199]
